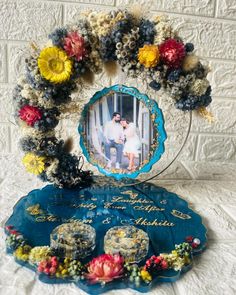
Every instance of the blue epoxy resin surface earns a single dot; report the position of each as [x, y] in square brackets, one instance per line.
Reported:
[163, 215]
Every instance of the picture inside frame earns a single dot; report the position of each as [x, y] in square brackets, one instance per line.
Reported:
[119, 133]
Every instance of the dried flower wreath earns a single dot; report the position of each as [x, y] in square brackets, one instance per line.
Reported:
[143, 48]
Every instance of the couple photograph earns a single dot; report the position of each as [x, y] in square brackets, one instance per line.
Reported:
[119, 133]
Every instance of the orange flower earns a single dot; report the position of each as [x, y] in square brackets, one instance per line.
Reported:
[149, 56]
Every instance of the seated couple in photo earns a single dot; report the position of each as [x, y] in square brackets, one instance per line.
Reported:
[121, 135]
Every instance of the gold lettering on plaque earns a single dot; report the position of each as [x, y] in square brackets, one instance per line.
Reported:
[155, 222]
[107, 220]
[148, 208]
[132, 202]
[89, 206]
[108, 205]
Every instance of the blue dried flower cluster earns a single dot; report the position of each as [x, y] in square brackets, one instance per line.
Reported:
[108, 42]
[48, 146]
[191, 102]
[57, 36]
[68, 172]
[147, 32]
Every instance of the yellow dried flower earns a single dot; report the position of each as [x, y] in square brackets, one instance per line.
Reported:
[202, 111]
[22, 252]
[54, 64]
[40, 253]
[33, 163]
[175, 261]
[149, 56]
[145, 275]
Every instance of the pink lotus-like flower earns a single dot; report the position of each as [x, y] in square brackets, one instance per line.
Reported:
[30, 114]
[74, 45]
[105, 268]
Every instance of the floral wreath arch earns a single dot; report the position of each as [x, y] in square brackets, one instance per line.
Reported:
[146, 49]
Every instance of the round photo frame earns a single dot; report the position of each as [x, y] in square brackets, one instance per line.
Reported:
[155, 121]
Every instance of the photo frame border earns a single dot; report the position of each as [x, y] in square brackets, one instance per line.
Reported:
[158, 122]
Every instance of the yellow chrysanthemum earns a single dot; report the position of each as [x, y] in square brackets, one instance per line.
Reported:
[54, 64]
[33, 163]
[149, 56]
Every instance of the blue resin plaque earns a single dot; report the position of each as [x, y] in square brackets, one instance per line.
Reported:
[164, 216]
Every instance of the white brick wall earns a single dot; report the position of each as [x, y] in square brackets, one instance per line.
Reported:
[209, 24]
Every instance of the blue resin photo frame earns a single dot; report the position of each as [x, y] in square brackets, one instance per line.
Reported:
[122, 132]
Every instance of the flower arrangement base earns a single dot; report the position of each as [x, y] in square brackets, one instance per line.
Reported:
[175, 234]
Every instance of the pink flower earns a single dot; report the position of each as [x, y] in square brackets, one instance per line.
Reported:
[105, 268]
[49, 267]
[172, 53]
[74, 45]
[30, 114]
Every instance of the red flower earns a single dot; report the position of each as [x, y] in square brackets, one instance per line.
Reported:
[30, 114]
[9, 227]
[74, 45]
[172, 53]
[189, 239]
[164, 264]
[194, 245]
[13, 232]
[155, 264]
[105, 268]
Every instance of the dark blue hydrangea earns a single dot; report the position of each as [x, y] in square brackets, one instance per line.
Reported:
[174, 76]
[28, 144]
[122, 27]
[79, 69]
[18, 98]
[193, 102]
[108, 43]
[30, 78]
[189, 47]
[59, 93]
[48, 121]
[155, 85]
[49, 146]
[57, 36]
[43, 176]
[69, 174]
[146, 32]
[200, 71]
[107, 48]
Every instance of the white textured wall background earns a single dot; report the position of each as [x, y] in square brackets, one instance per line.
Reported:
[209, 24]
